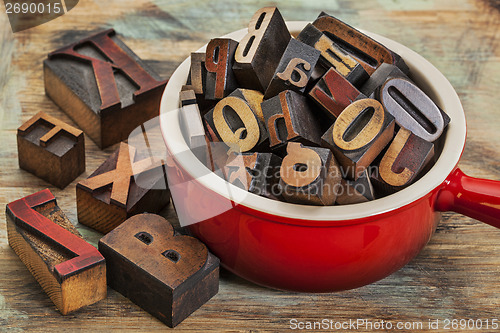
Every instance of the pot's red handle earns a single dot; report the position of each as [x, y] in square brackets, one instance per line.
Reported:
[474, 197]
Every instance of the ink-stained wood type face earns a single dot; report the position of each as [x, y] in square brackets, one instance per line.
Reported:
[294, 69]
[168, 275]
[257, 173]
[368, 52]
[332, 56]
[198, 72]
[259, 52]
[51, 149]
[103, 86]
[383, 73]
[289, 117]
[220, 80]
[358, 135]
[309, 175]
[413, 109]
[407, 156]
[111, 194]
[237, 120]
[333, 93]
[71, 271]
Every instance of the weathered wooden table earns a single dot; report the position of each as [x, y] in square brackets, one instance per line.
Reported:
[454, 277]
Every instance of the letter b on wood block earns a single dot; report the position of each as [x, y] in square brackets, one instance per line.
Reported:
[71, 271]
[111, 195]
[103, 86]
[168, 275]
[51, 149]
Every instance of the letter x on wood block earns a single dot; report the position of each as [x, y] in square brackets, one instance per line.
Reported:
[112, 194]
[103, 86]
[71, 271]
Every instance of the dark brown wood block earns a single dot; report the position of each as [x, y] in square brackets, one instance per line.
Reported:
[219, 62]
[168, 275]
[358, 191]
[406, 159]
[368, 52]
[198, 72]
[309, 175]
[237, 120]
[294, 69]
[289, 117]
[51, 149]
[112, 194]
[334, 93]
[71, 271]
[332, 56]
[259, 52]
[103, 86]
[257, 173]
[413, 109]
[383, 73]
[358, 136]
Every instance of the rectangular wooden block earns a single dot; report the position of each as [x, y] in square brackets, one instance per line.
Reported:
[237, 120]
[259, 52]
[309, 175]
[257, 173]
[359, 135]
[219, 62]
[168, 275]
[368, 52]
[332, 56]
[289, 117]
[112, 194]
[352, 192]
[405, 159]
[294, 69]
[51, 149]
[333, 93]
[103, 86]
[71, 271]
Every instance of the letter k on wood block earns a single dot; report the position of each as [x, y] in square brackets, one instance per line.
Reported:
[103, 86]
[112, 194]
[168, 275]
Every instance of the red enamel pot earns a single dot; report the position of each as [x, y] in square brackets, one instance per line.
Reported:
[324, 249]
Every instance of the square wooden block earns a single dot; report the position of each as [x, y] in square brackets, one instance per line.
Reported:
[51, 149]
[71, 271]
[112, 194]
[103, 86]
[168, 275]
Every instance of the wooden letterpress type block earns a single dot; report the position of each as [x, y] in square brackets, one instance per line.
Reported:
[51, 149]
[358, 191]
[332, 56]
[358, 135]
[309, 175]
[192, 125]
[112, 194]
[198, 73]
[257, 173]
[368, 52]
[71, 271]
[294, 69]
[334, 93]
[407, 157]
[259, 52]
[237, 121]
[168, 275]
[103, 86]
[383, 73]
[413, 109]
[219, 61]
[289, 117]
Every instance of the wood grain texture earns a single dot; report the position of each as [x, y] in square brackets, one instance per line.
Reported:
[455, 276]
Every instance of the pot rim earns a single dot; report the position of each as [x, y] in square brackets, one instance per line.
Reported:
[427, 77]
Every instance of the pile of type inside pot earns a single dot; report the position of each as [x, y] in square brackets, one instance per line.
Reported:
[327, 117]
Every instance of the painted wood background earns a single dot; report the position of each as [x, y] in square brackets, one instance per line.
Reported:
[455, 276]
